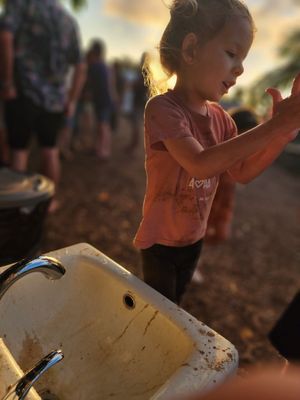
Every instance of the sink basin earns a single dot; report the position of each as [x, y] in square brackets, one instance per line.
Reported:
[10, 373]
[121, 339]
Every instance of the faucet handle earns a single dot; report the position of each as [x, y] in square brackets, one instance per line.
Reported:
[21, 388]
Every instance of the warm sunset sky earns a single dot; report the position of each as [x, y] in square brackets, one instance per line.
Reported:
[131, 26]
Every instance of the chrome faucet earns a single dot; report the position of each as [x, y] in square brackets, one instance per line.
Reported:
[49, 266]
[21, 388]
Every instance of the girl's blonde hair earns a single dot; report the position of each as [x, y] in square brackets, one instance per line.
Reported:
[205, 18]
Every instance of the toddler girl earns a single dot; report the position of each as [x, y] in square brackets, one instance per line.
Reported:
[190, 140]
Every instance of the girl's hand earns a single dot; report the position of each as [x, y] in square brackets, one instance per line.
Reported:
[266, 384]
[277, 99]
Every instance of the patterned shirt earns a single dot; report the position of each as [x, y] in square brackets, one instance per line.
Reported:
[46, 44]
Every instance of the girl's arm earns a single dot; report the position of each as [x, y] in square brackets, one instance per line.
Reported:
[258, 162]
[246, 155]
[254, 165]
[205, 163]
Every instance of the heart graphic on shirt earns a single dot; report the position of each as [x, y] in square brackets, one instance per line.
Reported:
[198, 184]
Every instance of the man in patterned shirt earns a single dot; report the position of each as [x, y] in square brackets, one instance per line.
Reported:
[39, 42]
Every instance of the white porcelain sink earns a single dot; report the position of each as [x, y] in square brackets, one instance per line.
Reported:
[10, 373]
[121, 339]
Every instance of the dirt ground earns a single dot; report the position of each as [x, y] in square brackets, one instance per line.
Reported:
[248, 280]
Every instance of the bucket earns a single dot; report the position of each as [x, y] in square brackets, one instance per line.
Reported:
[24, 200]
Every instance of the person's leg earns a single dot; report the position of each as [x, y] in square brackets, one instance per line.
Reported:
[159, 270]
[19, 116]
[169, 269]
[103, 133]
[103, 140]
[186, 263]
[50, 163]
[75, 142]
[19, 159]
[47, 128]
[64, 139]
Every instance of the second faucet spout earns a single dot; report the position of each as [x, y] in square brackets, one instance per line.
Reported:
[20, 389]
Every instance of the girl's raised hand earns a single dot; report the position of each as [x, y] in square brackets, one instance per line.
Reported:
[292, 100]
[277, 97]
[296, 86]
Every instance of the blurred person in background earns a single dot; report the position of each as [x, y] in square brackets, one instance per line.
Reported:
[135, 96]
[118, 89]
[220, 218]
[39, 42]
[77, 130]
[219, 224]
[99, 87]
[66, 131]
[140, 97]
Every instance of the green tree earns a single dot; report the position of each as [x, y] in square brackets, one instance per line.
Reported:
[280, 77]
[78, 4]
[75, 4]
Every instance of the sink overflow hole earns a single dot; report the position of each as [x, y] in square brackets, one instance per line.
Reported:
[129, 301]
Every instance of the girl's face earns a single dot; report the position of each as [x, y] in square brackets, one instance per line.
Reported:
[215, 65]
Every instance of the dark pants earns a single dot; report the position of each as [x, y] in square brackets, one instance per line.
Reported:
[23, 117]
[169, 269]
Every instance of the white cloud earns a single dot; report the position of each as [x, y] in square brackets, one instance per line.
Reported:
[269, 7]
[274, 20]
[152, 12]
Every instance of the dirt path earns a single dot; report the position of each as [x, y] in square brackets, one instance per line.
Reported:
[247, 281]
[250, 279]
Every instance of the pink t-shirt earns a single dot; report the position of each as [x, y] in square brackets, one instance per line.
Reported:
[177, 205]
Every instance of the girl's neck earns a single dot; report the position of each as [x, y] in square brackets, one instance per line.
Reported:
[192, 102]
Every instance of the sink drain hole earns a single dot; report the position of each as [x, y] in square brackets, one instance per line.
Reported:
[129, 301]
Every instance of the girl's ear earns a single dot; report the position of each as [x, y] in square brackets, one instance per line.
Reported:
[189, 47]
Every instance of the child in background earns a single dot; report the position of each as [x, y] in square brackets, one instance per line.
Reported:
[220, 218]
[190, 140]
[219, 223]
